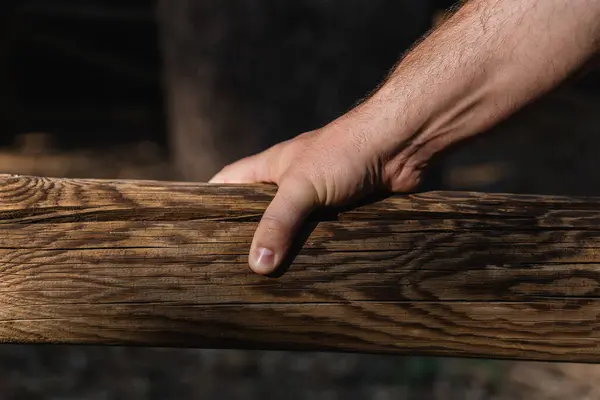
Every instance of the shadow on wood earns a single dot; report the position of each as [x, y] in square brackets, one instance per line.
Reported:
[165, 264]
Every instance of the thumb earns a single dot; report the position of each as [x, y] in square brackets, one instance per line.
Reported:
[294, 201]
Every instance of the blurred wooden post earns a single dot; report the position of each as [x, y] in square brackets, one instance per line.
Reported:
[241, 76]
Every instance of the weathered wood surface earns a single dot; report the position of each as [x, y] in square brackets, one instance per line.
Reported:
[150, 263]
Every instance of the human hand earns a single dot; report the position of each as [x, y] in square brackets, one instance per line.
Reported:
[327, 167]
[484, 63]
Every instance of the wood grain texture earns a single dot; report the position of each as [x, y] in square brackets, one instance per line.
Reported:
[165, 264]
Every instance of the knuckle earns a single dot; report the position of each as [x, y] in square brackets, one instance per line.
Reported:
[273, 225]
[300, 184]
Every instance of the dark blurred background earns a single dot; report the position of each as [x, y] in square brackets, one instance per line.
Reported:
[176, 89]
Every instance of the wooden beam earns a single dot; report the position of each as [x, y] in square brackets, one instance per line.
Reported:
[165, 264]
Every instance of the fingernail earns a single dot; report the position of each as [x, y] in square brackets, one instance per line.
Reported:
[265, 260]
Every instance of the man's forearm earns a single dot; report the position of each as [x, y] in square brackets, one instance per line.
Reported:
[489, 59]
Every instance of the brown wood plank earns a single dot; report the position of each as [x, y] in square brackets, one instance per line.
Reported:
[164, 264]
